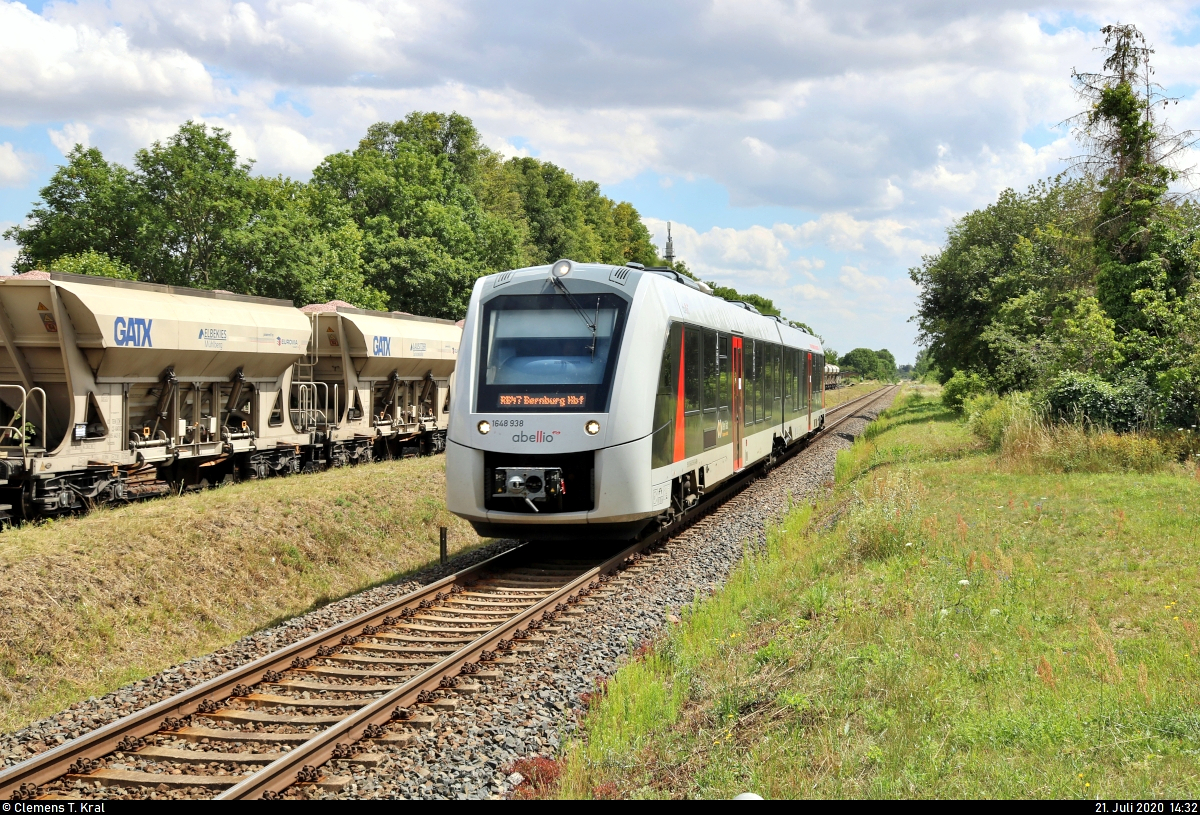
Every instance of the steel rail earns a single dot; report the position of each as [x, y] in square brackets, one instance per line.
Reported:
[52, 764]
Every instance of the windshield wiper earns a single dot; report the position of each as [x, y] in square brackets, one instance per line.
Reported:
[591, 324]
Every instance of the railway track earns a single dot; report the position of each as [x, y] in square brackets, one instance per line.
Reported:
[355, 690]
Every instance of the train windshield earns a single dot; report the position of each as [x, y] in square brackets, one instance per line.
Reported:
[549, 353]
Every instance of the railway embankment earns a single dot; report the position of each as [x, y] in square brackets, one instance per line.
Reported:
[948, 622]
[92, 603]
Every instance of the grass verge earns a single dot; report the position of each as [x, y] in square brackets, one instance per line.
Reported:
[837, 396]
[940, 626]
[90, 603]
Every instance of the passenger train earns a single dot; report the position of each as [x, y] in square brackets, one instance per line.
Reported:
[595, 401]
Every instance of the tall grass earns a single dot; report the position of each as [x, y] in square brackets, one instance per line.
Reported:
[1028, 441]
[887, 514]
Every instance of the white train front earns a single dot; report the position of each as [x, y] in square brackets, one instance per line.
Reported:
[596, 400]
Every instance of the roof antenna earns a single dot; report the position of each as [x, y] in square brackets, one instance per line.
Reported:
[670, 252]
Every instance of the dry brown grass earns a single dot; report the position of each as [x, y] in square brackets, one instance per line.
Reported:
[90, 603]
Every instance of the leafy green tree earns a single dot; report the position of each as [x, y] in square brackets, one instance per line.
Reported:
[425, 237]
[191, 194]
[988, 295]
[88, 206]
[863, 361]
[886, 367]
[92, 262]
[300, 244]
[1129, 152]
[960, 387]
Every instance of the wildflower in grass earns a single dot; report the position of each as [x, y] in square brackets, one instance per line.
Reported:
[1046, 674]
[964, 582]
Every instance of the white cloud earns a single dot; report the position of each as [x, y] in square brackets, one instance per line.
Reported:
[53, 70]
[71, 134]
[843, 232]
[15, 167]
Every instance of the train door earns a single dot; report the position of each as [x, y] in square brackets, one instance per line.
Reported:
[738, 403]
[808, 387]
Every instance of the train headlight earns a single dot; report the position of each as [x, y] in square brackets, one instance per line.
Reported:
[592, 427]
[485, 427]
[561, 268]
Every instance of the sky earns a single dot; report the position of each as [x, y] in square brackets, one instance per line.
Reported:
[809, 152]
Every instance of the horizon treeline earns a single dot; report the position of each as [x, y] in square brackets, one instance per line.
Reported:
[1084, 289]
[406, 221]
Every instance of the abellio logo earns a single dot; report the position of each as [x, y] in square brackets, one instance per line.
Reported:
[540, 437]
[133, 331]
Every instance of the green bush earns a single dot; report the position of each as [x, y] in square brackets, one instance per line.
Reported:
[1076, 397]
[960, 386]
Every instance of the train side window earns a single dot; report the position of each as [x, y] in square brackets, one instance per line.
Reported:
[789, 389]
[777, 367]
[691, 370]
[799, 374]
[662, 443]
[710, 364]
[693, 352]
[760, 374]
[819, 381]
[724, 390]
[797, 367]
[768, 396]
[807, 380]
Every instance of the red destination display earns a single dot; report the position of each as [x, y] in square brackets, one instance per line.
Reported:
[542, 400]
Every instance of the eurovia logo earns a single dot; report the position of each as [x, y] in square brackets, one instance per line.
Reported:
[540, 437]
[133, 331]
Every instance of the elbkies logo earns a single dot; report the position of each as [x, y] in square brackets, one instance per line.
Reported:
[540, 437]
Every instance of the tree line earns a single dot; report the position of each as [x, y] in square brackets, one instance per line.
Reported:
[406, 221]
[1083, 288]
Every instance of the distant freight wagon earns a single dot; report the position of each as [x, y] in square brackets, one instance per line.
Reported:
[112, 390]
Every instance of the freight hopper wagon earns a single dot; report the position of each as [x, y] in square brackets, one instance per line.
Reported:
[598, 400]
[387, 376]
[112, 390]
